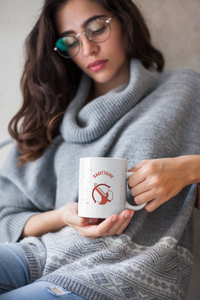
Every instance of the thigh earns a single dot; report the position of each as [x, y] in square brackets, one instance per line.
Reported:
[14, 270]
[40, 290]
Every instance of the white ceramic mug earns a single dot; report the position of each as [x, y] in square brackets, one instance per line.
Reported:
[102, 187]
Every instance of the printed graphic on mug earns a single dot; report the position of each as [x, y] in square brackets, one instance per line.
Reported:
[102, 194]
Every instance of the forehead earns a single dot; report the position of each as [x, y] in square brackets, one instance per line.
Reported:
[73, 13]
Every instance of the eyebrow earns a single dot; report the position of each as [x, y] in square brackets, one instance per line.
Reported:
[85, 23]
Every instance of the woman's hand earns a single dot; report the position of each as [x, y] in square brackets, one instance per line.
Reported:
[94, 227]
[158, 180]
[52, 221]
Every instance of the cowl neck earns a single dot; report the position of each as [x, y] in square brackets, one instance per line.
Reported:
[86, 123]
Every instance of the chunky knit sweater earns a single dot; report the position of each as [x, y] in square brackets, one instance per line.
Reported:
[152, 116]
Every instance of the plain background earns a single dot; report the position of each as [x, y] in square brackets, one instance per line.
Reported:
[175, 28]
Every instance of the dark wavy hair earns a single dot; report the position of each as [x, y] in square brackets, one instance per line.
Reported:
[49, 82]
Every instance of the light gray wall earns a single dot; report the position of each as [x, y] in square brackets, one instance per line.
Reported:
[16, 20]
[175, 28]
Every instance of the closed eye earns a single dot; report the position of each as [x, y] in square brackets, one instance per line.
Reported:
[99, 31]
[72, 45]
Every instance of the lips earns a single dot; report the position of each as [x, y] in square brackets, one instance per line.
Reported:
[97, 65]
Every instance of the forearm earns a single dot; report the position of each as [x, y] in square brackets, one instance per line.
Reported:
[42, 223]
[190, 164]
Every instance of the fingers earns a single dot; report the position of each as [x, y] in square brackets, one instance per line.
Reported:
[147, 169]
[136, 178]
[103, 227]
[121, 223]
[94, 228]
[153, 200]
[140, 189]
[153, 205]
[110, 226]
[156, 181]
[118, 224]
[127, 216]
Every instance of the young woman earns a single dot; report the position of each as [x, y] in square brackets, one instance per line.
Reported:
[92, 86]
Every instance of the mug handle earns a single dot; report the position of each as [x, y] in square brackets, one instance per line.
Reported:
[129, 206]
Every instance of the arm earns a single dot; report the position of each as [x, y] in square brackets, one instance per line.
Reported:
[158, 180]
[39, 224]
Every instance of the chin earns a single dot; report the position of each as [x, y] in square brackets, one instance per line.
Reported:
[102, 77]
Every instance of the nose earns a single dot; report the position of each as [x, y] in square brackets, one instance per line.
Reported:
[88, 47]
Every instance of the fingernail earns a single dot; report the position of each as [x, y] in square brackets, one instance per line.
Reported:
[114, 218]
[126, 215]
[131, 215]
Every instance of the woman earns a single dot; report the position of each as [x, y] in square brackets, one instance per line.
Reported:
[92, 87]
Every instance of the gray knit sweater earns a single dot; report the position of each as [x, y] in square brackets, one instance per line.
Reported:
[153, 116]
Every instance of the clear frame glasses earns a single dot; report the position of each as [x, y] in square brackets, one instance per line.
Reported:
[97, 31]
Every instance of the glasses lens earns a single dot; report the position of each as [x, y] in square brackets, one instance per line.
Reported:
[98, 31]
[67, 46]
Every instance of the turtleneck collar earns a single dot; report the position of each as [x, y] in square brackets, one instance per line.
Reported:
[83, 124]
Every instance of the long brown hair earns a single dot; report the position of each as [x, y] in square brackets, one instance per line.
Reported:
[49, 82]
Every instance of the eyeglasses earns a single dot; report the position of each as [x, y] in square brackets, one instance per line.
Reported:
[97, 31]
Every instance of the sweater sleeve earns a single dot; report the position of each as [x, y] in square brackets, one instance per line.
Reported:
[15, 210]
[25, 191]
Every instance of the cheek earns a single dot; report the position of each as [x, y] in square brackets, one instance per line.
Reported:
[117, 45]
